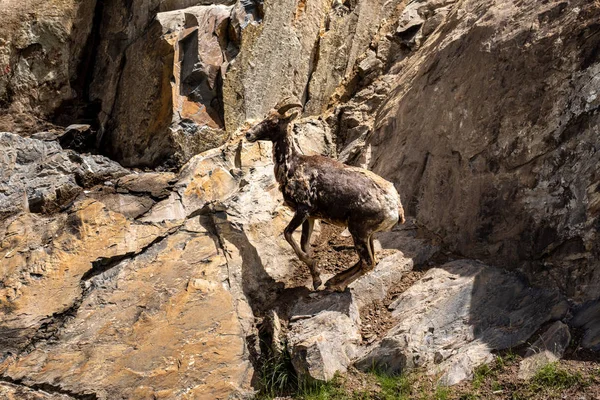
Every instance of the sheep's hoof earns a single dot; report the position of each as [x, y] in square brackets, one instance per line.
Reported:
[317, 282]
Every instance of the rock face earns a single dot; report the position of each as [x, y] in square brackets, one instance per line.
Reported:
[41, 43]
[504, 167]
[122, 283]
[150, 320]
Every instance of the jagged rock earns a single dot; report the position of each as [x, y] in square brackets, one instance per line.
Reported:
[40, 177]
[548, 348]
[180, 119]
[40, 46]
[451, 319]
[163, 323]
[44, 260]
[323, 345]
[9, 391]
[324, 334]
[472, 159]
[588, 318]
[410, 23]
[79, 137]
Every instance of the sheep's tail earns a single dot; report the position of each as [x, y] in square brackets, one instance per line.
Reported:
[401, 218]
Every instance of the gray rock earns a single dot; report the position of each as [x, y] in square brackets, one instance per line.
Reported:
[323, 345]
[588, 318]
[451, 320]
[41, 177]
[489, 177]
[377, 284]
[314, 137]
[325, 334]
[549, 347]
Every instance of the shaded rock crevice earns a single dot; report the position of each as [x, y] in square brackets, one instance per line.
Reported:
[81, 109]
[49, 388]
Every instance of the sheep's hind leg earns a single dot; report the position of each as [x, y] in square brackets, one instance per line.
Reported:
[365, 264]
[307, 229]
[372, 247]
[296, 221]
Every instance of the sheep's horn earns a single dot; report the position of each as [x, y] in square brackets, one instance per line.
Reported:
[287, 104]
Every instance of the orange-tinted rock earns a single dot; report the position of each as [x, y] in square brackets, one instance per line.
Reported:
[162, 324]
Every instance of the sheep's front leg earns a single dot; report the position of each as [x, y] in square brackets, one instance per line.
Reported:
[307, 228]
[299, 218]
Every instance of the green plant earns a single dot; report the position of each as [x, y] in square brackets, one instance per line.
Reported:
[502, 360]
[552, 376]
[277, 375]
[480, 374]
[441, 393]
[393, 387]
[331, 390]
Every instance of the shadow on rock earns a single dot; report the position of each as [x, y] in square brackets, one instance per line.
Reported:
[451, 320]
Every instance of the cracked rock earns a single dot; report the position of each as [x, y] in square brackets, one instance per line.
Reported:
[461, 312]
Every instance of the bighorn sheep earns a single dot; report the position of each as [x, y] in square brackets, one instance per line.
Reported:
[318, 187]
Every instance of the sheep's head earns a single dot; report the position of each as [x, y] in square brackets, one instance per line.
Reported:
[275, 123]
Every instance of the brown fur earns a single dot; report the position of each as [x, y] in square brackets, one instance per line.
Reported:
[318, 187]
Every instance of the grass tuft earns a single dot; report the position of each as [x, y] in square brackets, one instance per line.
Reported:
[552, 376]
[393, 387]
[277, 376]
[480, 374]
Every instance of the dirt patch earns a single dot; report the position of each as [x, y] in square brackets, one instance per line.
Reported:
[334, 251]
[376, 318]
[566, 379]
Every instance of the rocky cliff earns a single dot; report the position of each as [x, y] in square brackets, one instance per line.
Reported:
[141, 253]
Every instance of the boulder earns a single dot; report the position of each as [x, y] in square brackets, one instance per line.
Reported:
[451, 320]
[323, 345]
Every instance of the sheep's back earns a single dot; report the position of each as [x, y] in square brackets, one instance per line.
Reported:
[341, 192]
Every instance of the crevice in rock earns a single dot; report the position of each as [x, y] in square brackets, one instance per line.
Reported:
[312, 67]
[49, 388]
[103, 264]
[82, 109]
[49, 329]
